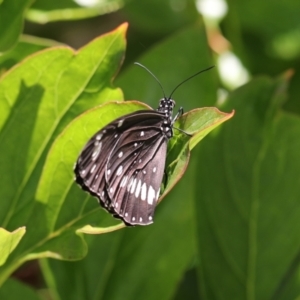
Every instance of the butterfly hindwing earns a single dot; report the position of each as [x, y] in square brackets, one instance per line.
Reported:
[134, 182]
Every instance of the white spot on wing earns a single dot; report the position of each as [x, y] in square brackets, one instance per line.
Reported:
[120, 123]
[157, 195]
[141, 219]
[133, 218]
[154, 169]
[111, 190]
[144, 192]
[117, 204]
[142, 133]
[120, 154]
[99, 136]
[133, 186]
[150, 218]
[151, 195]
[93, 168]
[135, 145]
[82, 172]
[129, 184]
[138, 189]
[97, 150]
[123, 182]
[108, 172]
[120, 170]
[126, 214]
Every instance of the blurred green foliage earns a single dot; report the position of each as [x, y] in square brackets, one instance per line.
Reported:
[229, 228]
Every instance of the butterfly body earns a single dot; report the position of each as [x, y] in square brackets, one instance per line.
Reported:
[123, 163]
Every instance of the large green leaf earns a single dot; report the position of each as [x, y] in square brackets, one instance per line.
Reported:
[37, 100]
[43, 11]
[11, 21]
[160, 17]
[24, 47]
[248, 213]
[267, 39]
[57, 177]
[14, 290]
[9, 241]
[130, 262]
[168, 60]
[198, 123]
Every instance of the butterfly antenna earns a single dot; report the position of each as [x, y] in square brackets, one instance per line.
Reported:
[136, 63]
[189, 79]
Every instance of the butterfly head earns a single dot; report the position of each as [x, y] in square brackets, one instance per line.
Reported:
[166, 106]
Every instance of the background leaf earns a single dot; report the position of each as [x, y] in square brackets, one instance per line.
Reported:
[54, 91]
[14, 290]
[9, 241]
[156, 248]
[252, 201]
[11, 21]
[190, 42]
[25, 46]
[44, 11]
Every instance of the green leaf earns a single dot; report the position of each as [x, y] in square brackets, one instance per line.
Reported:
[172, 69]
[148, 256]
[50, 11]
[198, 123]
[15, 290]
[57, 176]
[173, 15]
[156, 255]
[9, 241]
[25, 46]
[249, 210]
[11, 21]
[38, 98]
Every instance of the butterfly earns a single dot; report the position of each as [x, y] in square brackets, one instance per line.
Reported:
[123, 163]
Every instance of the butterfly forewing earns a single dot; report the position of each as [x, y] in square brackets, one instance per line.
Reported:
[134, 187]
[90, 166]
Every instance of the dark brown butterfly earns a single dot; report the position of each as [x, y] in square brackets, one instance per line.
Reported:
[123, 163]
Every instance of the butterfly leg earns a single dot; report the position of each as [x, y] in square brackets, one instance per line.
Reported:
[178, 115]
